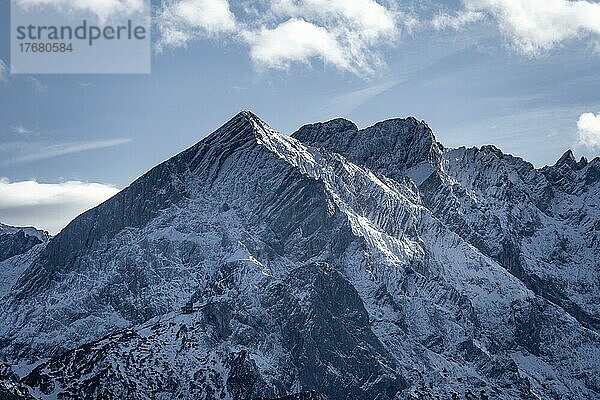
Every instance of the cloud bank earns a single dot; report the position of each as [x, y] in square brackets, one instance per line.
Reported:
[588, 127]
[347, 35]
[350, 35]
[23, 152]
[49, 206]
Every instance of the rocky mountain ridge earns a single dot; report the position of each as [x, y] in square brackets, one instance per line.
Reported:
[41, 235]
[18, 240]
[337, 263]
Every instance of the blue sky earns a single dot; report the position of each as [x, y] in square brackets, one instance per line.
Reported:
[519, 74]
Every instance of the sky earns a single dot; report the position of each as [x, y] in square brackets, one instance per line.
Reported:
[520, 74]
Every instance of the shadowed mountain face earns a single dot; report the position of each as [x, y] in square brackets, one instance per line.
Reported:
[17, 240]
[16, 243]
[337, 263]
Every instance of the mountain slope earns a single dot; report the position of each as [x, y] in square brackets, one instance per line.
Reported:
[541, 225]
[256, 265]
[18, 247]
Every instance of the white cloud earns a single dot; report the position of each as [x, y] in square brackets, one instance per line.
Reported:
[28, 152]
[456, 21]
[368, 19]
[49, 206]
[180, 21]
[536, 26]
[103, 9]
[295, 41]
[352, 30]
[588, 127]
[344, 34]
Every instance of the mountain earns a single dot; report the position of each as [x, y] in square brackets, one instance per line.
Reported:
[336, 263]
[17, 247]
[15, 241]
[41, 235]
[543, 226]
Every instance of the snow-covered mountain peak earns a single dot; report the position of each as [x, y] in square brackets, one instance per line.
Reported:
[572, 175]
[243, 128]
[568, 158]
[338, 130]
[342, 133]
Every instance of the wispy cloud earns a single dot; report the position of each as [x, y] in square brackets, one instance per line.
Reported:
[533, 26]
[456, 21]
[23, 152]
[588, 127]
[21, 130]
[49, 206]
[344, 104]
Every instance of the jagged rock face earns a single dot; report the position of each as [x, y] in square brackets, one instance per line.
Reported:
[328, 345]
[544, 227]
[337, 263]
[15, 244]
[541, 225]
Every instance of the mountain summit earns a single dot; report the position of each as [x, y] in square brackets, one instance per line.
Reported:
[337, 263]
[400, 143]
